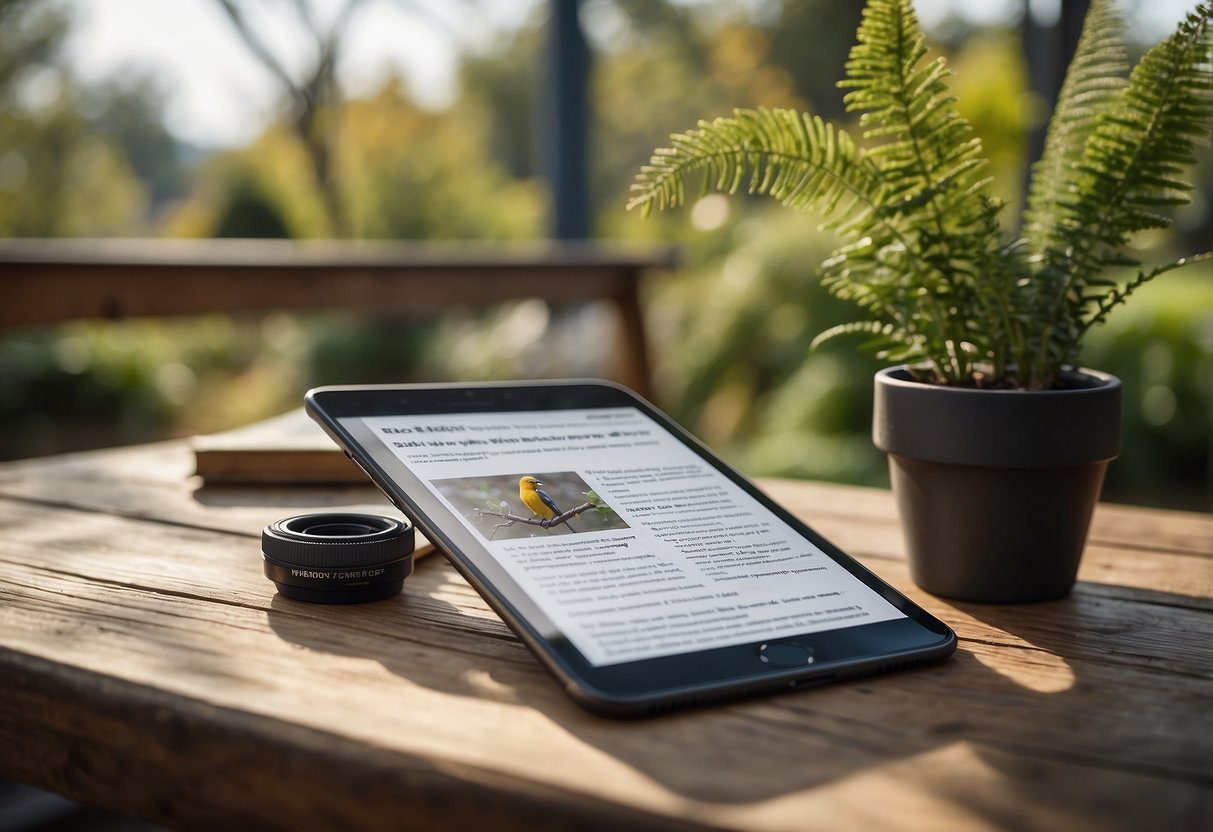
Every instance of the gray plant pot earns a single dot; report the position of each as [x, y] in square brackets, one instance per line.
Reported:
[996, 487]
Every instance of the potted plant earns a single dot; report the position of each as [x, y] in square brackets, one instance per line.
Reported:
[997, 441]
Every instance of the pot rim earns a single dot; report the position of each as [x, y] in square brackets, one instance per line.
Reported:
[899, 376]
[997, 428]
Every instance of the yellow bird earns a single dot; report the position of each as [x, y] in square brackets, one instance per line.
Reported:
[538, 500]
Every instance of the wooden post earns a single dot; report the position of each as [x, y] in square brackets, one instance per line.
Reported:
[633, 354]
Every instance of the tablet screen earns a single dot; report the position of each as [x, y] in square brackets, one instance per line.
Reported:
[658, 553]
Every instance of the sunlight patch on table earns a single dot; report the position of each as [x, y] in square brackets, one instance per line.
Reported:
[1035, 669]
[888, 796]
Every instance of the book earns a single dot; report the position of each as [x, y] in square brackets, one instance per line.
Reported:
[289, 448]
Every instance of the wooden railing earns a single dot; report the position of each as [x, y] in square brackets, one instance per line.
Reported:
[51, 281]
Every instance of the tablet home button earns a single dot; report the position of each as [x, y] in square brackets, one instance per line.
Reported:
[785, 654]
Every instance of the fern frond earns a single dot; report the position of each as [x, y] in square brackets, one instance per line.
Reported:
[875, 328]
[929, 161]
[1131, 166]
[933, 180]
[798, 159]
[1134, 159]
[1118, 294]
[1096, 73]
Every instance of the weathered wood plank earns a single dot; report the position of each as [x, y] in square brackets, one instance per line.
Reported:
[1158, 577]
[155, 480]
[134, 749]
[45, 281]
[1112, 525]
[192, 770]
[192, 564]
[500, 712]
[50, 281]
[182, 580]
[1180, 531]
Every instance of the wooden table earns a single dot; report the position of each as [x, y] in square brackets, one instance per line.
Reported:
[147, 666]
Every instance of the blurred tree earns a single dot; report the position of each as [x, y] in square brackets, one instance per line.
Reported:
[58, 178]
[273, 171]
[733, 361]
[248, 212]
[991, 89]
[811, 40]
[661, 77]
[58, 174]
[504, 83]
[129, 110]
[31, 35]
[412, 174]
[406, 173]
[314, 94]
[732, 329]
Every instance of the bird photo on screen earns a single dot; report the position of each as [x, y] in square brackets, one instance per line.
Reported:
[539, 501]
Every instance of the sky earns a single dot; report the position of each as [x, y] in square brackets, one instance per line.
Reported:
[220, 96]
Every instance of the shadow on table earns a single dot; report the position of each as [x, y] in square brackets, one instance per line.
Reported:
[26, 809]
[316, 497]
[1109, 686]
[997, 716]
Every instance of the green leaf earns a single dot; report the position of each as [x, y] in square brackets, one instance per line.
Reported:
[1127, 170]
[1095, 76]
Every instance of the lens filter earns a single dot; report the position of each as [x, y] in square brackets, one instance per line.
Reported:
[338, 558]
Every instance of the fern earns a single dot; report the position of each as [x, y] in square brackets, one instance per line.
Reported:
[932, 183]
[1094, 78]
[920, 248]
[1129, 168]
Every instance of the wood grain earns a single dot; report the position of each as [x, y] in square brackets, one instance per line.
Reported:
[147, 665]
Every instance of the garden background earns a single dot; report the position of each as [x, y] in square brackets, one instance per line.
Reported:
[82, 156]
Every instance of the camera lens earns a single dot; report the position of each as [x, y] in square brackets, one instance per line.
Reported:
[338, 558]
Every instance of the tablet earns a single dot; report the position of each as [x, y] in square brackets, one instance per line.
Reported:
[643, 571]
